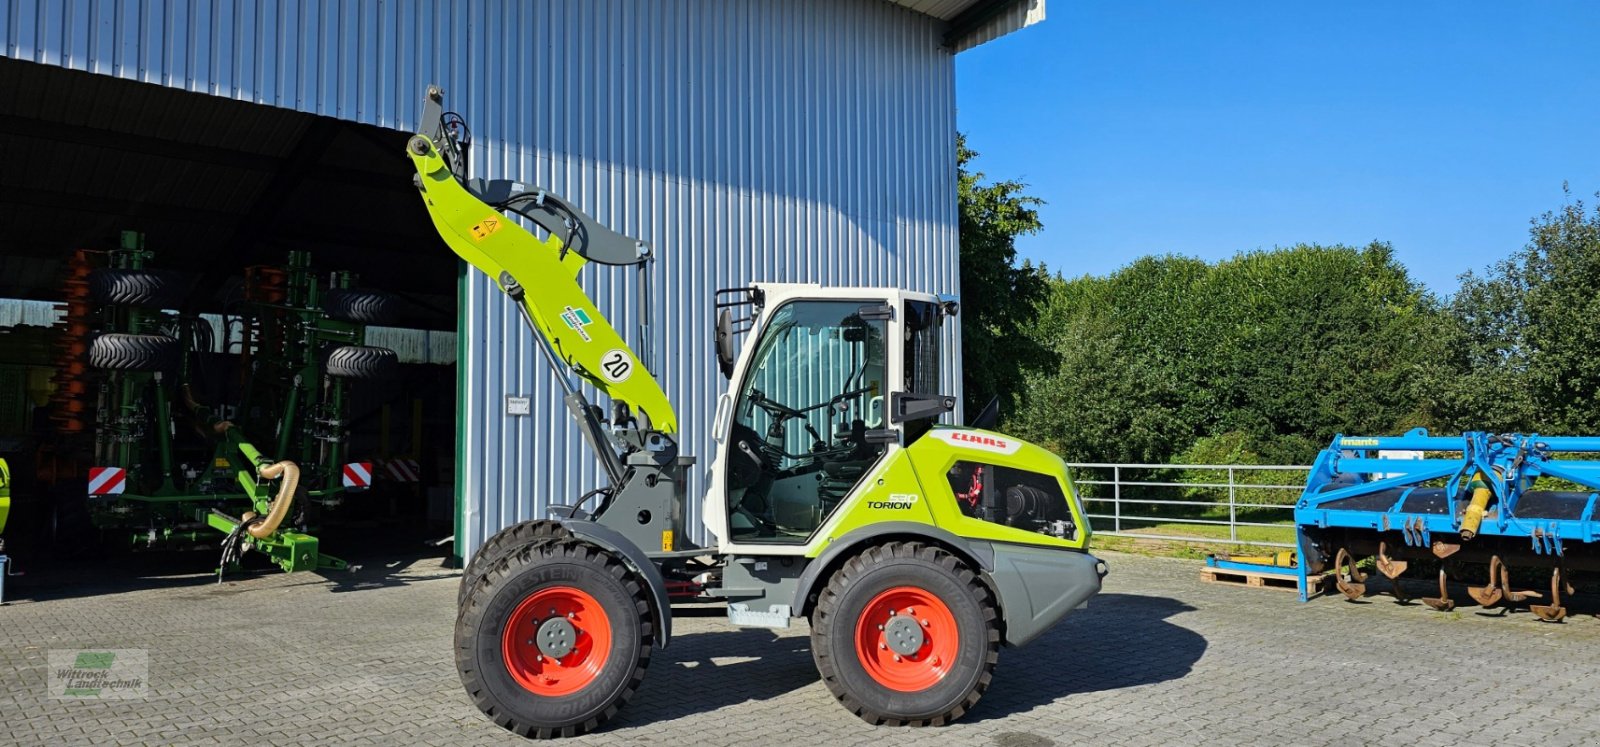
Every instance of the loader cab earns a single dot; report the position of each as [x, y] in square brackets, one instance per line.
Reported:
[806, 416]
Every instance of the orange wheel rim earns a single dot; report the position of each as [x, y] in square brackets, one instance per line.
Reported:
[906, 639]
[577, 641]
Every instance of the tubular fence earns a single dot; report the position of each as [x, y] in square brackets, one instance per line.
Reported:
[1231, 504]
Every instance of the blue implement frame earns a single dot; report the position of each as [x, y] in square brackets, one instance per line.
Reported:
[1507, 464]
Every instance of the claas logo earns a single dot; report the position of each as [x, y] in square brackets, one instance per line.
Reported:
[978, 439]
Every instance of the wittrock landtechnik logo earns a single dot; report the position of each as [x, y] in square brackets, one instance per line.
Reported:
[88, 674]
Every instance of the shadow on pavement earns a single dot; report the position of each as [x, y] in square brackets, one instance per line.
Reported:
[47, 580]
[702, 672]
[377, 561]
[1121, 640]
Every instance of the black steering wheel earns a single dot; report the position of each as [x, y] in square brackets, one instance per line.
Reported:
[781, 412]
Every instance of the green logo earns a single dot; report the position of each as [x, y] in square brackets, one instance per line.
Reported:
[105, 675]
[577, 319]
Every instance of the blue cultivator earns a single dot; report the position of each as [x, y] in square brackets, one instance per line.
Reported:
[1474, 499]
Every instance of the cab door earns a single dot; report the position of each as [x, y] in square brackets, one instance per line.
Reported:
[804, 420]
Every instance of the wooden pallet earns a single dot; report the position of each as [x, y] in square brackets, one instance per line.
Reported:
[1255, 579]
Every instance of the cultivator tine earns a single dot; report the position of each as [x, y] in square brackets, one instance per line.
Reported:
[1515, 597]
[1554, 612]
[1348, 577]
[1391, 569]
[1490, 595]
[1443, 602]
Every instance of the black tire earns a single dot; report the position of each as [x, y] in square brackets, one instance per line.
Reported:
[361, 362]
[514, 579]
[930, 570]
[361, 307]
[503, 543]
[121, 352]
[150, 288]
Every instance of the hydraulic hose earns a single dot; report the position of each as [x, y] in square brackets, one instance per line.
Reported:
[290, 474]
[288, 471]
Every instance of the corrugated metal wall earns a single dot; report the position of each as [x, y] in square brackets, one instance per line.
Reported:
[798, 140]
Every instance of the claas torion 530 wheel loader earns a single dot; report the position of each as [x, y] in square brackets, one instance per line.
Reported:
[915, 550]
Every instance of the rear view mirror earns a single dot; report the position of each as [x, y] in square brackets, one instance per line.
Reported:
[988, 416]
[725, 343]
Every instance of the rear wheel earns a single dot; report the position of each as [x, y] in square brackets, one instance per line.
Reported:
[503, 543]
[905, 633]
[554, 639]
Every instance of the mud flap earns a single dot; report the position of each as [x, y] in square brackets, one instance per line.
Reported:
[635, 558]
[1038, 586]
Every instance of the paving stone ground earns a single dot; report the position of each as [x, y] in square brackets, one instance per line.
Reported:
[1157, 659]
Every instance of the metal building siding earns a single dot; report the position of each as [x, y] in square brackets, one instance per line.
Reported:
[777, 142]
[799, 141]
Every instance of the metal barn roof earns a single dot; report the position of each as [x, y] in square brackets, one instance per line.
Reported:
[973, 22]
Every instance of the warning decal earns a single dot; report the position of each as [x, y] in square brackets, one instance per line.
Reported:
[486, 227]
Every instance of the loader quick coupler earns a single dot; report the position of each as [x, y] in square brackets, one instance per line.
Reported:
[833, 495]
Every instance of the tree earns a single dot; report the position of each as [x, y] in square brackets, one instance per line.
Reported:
[997, 296]
[1524, 334]
[1281, 348]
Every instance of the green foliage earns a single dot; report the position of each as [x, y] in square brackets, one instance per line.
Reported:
[1237, 447]
[1285, 347]
[997, 296]
[1523, 335]
[1263, 358]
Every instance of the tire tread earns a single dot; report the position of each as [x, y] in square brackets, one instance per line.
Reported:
[828, 607]
[564, 550]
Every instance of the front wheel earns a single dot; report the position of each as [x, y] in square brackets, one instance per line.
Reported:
[906, 634]
[554, 639]
[503, 543]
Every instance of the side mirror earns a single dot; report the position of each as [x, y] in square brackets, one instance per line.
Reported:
[905, 407]
[987, 417]
[725, 343]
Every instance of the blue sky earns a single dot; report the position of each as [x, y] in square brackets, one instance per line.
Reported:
[1210, 128]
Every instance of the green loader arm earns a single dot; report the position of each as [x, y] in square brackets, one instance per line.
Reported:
[542, 275]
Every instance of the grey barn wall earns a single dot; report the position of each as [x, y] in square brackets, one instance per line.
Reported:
[798, 141]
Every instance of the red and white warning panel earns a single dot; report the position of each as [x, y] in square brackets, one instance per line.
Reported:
[357, 475]
[403, 470]
[107, 480]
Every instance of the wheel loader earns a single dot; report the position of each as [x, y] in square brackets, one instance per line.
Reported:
[915, 550]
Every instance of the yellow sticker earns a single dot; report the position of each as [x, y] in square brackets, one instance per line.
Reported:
[221, 463]
[486, 227]
[1358, 442]
[666, 540]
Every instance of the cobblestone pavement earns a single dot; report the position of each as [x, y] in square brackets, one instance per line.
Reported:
[1158, 659]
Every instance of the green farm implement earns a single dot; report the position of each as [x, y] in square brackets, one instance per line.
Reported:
[168, 469]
